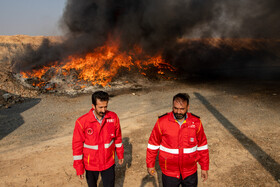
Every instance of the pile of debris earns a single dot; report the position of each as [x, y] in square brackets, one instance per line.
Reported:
[11, 91]
[8, 99]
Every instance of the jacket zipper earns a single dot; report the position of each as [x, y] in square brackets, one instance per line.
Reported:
[165, 163]
[88, 159]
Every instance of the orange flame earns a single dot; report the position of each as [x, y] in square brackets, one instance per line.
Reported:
[35, 73]
[100, 66]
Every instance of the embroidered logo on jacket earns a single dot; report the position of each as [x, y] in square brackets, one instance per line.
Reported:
[110, 120]
[191, 126]
[89, 131]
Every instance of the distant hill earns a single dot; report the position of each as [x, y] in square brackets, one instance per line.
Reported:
[9, 45]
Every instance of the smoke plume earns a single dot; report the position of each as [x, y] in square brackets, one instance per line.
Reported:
[164, 26]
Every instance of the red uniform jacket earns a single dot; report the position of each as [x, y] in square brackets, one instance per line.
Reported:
[94, 144]
[180, 147]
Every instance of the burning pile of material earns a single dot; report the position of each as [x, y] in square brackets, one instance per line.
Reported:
[105, 39]
[96, 68]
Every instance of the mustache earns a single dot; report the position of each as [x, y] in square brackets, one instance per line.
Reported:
[179, 115]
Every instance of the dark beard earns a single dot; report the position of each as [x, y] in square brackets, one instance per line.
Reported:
[101, 114]
[179, 116]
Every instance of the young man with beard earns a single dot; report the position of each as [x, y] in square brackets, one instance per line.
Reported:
[181, 141]
[96, 139]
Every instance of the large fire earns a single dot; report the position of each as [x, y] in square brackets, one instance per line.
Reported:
[107, 62]
[101, 65]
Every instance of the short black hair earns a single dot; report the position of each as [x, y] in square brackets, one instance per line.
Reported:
[182, 96]
[102, 96]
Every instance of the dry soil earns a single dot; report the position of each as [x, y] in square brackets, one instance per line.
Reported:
[241, 123]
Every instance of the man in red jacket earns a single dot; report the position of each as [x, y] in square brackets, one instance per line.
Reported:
[181, 141]
[96, 139]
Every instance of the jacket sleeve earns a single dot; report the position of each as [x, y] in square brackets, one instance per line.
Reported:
[202, 148]
[153, 145]
[77, 146]
[118, 140]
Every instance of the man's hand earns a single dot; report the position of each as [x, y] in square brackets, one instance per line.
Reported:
[151, 171]
[204, 175]
[81, 177]
[120, 161]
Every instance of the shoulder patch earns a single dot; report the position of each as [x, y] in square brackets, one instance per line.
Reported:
[162, 115]
[195, 115]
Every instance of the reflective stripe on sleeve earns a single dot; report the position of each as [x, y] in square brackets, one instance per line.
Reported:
[95, 147]
[205, 147]
[107, 145]
[190, 150]
[78, 157]
[118, 145]
[153, 147]
[172, 151]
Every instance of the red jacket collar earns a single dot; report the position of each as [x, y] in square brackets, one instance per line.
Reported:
[170, 116]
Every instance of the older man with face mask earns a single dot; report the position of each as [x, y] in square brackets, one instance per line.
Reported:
[180, 139]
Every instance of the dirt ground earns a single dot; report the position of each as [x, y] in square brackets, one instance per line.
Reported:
[241, 121]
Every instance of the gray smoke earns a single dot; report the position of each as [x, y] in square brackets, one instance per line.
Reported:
[243, 19]
[151, 24]
[155, 26]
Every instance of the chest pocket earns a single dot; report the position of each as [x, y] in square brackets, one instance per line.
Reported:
[191, 136]
[110, 127]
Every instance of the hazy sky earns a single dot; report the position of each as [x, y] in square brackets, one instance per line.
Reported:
[30, 17]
